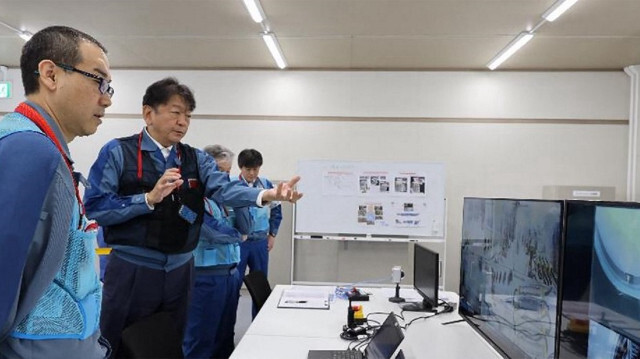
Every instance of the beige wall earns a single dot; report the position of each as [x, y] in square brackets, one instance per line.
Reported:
[502, 134]
[482, 160]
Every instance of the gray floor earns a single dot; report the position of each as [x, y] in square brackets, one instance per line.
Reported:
[243, 320]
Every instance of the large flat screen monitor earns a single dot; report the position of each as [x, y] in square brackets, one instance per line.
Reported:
[600, 283]
[510, 261]
[426, 279]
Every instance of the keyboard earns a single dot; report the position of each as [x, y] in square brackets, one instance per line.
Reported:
[335, 354]
[346, 354]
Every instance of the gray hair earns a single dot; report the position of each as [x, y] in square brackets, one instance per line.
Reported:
[219, 153]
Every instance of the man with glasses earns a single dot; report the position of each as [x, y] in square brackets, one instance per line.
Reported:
[49, 290]
[103, 84]
[147, 193]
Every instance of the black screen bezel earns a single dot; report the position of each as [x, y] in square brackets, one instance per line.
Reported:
[420, 253]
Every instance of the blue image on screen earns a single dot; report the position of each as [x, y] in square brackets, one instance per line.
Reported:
[510, 260]
[605, 343]
[615, 271]
[600, 281]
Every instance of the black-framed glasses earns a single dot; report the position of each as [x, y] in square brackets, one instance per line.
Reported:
[103, 84]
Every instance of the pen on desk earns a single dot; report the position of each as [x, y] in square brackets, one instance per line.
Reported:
[295, 301]
[453, 321]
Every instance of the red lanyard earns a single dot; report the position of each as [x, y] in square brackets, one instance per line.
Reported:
[35, 117]
[140, 155]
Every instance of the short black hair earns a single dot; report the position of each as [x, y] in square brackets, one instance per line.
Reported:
[60, 44]
[159, 93]
[249, 158]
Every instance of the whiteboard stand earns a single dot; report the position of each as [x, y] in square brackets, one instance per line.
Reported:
[353, 238]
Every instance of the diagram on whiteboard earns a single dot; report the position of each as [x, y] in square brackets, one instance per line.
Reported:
[339, 183]
[409, 214]
[398, 214]
[371, 214]
[371, 198]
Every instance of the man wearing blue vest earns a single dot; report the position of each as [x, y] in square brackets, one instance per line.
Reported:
[147, 193]
[254, 252]
[49, 289]
[214, 300]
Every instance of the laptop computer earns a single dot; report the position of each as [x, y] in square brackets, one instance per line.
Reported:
[383, 344]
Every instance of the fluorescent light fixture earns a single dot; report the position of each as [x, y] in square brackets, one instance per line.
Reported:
[557, 9]
[255, 10]
[274, 47]
[510, 49]
[25, 35]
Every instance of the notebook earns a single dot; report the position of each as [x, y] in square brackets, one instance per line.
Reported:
[383, 344]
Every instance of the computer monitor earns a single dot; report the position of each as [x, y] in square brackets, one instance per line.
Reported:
[426, 279]
[510, 259]
[600, 283]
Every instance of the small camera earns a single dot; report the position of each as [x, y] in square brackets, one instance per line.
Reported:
[396, 274]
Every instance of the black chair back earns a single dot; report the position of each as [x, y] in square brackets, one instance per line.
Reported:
[258, 286]
[153, 337]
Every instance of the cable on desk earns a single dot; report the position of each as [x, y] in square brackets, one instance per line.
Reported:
[447, 308]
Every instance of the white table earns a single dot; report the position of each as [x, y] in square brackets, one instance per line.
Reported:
[278, 333]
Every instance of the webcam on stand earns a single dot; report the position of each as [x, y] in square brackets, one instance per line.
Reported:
[396, 276]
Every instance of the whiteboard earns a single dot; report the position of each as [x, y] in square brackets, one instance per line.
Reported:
[371, 198]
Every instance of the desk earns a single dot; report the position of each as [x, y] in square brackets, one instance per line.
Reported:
[279, 333]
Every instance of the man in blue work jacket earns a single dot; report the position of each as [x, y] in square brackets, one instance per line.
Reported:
[214, 300]
[49, 289]
[146, 192]
[254, 252]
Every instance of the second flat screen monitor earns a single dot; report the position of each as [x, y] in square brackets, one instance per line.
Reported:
[426, 279]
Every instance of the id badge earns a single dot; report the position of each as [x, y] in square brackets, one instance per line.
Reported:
[187, 214]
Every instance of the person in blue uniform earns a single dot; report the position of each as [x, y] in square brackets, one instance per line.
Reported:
[254, 252]
[222, 155]
[214, 301]
[146, 192]
[49, 289]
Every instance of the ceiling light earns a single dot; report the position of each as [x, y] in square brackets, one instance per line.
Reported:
[274, 47]
[510, 49]
[557, 9]
[25, 35]
[255, 10]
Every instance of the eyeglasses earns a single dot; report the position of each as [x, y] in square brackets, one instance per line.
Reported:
[103, 84]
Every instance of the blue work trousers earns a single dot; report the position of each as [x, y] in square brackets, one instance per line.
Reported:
[133, 292]
[212, 316]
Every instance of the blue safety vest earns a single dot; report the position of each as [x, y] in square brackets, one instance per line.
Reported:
[219, 242]
[260, 216]
[70, 306]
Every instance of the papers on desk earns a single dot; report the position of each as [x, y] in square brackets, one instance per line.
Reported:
[307, 297]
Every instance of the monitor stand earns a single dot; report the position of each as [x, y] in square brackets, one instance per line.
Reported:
[423, 306]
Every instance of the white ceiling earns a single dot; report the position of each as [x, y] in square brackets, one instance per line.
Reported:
[339, 34]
